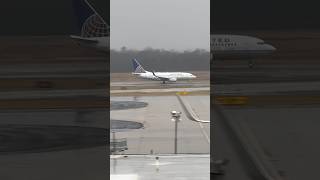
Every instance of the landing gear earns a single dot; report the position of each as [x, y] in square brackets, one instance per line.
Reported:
[163, 82]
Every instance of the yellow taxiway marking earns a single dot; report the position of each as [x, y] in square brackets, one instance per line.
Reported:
[231, 100]
[182, 93]
[267, 100]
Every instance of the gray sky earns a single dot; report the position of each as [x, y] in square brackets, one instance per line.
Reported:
[165, 24]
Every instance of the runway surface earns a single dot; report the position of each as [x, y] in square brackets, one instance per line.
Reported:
[145, 167]
[53, 143]
[123, 105]
[53, 102]
[271, 113]
[127, 81]
[287, 135]
[138, 87]
[158, 132]
[121, 125]
[46, 138]
[284, 88]
[262, 74]
[169, 91]
[280, 116]
[54, 67]
[141, 84]
[265, 117]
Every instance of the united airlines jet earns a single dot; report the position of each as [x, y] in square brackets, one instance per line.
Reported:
[93, 30]
[226, 46]
[223, 44]
[139, 71]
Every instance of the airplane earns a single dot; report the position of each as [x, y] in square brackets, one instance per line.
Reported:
[93, 32]
[223, 44]
[139, 71]
[227, 46]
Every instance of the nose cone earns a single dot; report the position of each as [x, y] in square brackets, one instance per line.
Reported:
[193, 76]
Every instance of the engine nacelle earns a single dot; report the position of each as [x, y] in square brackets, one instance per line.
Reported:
[173, 79]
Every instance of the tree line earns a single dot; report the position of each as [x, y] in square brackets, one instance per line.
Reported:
[160, 60]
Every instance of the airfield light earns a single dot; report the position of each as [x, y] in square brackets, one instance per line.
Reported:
[175, 117]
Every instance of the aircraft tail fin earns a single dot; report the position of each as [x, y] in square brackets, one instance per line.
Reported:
[90, 23]
[137, 68]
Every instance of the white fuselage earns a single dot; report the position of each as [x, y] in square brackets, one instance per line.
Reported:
[172, 76]
[222, 44]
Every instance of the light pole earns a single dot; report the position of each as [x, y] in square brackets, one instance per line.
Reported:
[175, 117]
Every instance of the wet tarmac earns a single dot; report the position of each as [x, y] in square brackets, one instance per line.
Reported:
[17, 138]
[288, 136]
[279, 112]
[146, 167]
[53, 144]
[123, 125]
[120, 125]
[53, 119]
[152, 132]
[123, 105]
[145, 84]
[284, 88]
[158, 132]
[265, 70]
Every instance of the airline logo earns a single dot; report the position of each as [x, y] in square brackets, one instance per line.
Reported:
[90, 24]
[137, 67]
[94, 26]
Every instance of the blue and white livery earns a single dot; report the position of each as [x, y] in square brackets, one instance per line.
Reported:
[140, 72]
[93, 31]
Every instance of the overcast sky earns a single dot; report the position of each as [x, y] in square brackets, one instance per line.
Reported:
[163, 24]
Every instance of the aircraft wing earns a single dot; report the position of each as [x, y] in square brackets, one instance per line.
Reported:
[161, 78]
[84, 40]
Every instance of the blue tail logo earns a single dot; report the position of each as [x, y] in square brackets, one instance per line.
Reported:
[90, 23]
[137, 68]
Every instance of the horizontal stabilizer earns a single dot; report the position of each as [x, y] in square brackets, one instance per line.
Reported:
[85, 40]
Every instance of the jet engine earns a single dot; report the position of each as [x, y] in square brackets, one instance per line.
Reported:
[173, 79]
